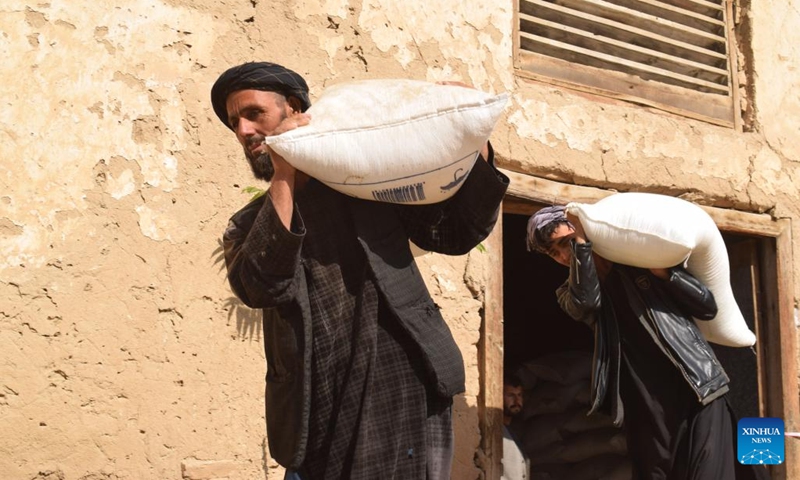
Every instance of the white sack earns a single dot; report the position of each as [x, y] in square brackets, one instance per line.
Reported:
[657, 231]
[397, 141]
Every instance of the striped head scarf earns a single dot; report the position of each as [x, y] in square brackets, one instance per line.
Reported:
[540, 220]
[269, 77]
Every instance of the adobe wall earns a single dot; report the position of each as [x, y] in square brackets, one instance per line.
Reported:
[123, 354]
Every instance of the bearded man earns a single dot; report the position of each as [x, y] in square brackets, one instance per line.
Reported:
[361, 367]
[516, 465]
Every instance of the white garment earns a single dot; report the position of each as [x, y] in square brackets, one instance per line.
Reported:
[515, 464]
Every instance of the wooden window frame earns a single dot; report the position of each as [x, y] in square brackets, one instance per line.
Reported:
[778, 350]
[716, 109]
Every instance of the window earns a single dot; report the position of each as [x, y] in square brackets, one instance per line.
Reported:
[669, 54]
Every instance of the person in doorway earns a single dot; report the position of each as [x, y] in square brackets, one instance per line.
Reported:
[653, 371]
[361, 367]
[516, 465]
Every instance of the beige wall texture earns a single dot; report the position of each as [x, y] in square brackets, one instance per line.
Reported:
[123, 353]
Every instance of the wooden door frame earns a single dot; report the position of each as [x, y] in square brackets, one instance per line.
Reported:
[778, 357]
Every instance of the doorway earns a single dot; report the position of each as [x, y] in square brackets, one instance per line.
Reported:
[538, 337]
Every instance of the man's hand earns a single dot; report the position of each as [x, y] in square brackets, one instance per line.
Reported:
[579, 235]
[281, 189]
[296, 119]
[662, 273]
[282, 168]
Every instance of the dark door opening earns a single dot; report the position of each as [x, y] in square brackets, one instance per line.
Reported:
[550, 353]
[534, 324]
[535, 329]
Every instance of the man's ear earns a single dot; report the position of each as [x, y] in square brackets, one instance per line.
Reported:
[295, 104]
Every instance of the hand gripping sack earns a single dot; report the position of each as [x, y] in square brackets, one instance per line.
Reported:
[396, 141]
[657, 231]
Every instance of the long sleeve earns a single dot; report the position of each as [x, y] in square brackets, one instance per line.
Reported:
[579, 296]
[690, 294]
[459, 223]
[261, 255]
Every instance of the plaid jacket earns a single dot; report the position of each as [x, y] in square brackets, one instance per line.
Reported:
[311, 279]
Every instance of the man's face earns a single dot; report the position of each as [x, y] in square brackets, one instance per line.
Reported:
[512, 400]
[560, 248]
[253, 115]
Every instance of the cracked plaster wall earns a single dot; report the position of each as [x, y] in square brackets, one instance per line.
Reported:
[124, 354]
[588, 140]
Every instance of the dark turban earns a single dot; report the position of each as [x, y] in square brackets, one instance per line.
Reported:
[269, 77]
[541, 219]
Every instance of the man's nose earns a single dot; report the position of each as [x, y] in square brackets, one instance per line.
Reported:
[245, 128]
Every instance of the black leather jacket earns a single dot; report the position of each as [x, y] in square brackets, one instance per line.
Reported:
[664, 307]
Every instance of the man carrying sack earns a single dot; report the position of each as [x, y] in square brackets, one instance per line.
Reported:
[653, 371]
[361, 367]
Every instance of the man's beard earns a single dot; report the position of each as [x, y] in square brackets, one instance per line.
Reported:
[508, 413]
[262, 164]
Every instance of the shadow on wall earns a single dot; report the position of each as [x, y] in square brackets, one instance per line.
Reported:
[468, 457]
[248, 320]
